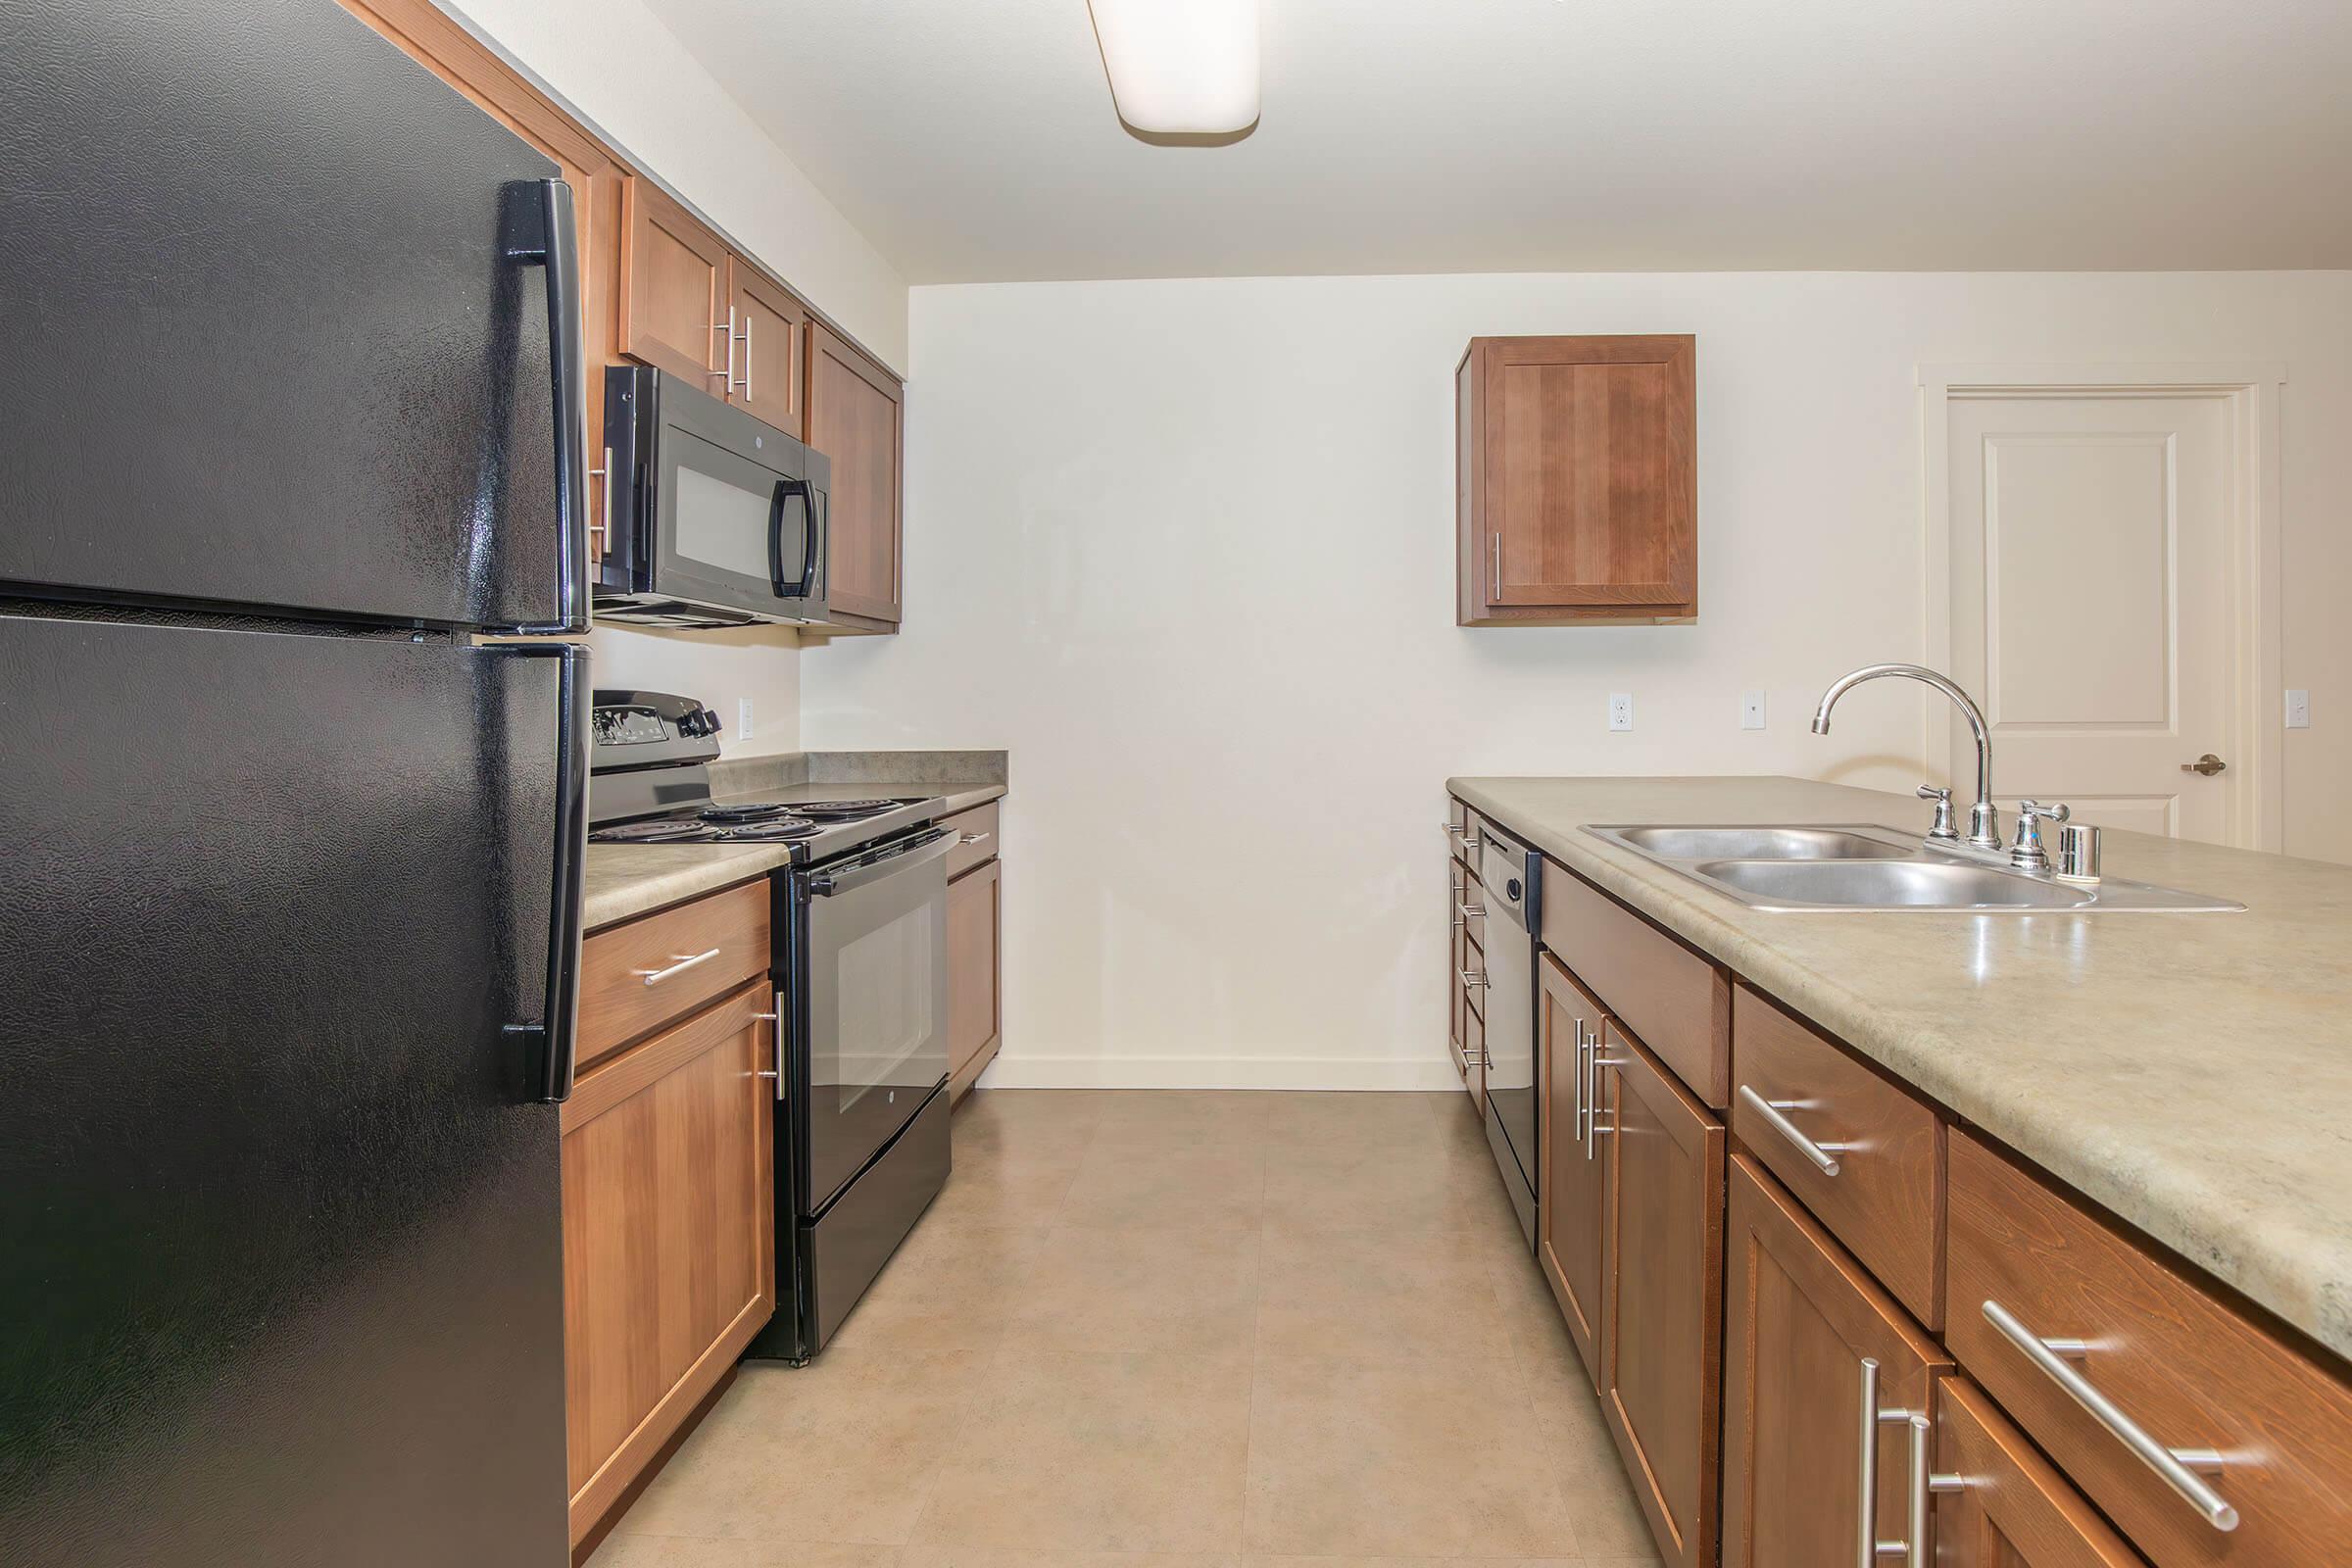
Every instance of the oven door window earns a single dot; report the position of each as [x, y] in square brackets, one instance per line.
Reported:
[727, 525]
[877, 1016]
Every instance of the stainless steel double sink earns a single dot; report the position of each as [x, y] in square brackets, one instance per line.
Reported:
[1863, 867]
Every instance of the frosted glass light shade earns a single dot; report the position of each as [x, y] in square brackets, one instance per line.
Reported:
[1181, 66]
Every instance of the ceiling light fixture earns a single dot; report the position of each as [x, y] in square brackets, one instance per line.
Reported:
[1181, 68]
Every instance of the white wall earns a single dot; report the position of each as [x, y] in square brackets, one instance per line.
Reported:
[617, 63]
[1186, 548]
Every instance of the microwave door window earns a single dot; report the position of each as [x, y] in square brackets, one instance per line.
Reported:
[720, 525]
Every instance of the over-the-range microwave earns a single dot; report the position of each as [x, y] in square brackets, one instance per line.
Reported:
[713, 518]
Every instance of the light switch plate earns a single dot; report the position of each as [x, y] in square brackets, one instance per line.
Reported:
[2298, 709]
[1621, 709]
[743, 718]
[1751, 710]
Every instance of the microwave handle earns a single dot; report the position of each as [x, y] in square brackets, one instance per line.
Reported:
[775, 539]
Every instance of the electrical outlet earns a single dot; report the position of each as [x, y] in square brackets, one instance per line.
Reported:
[1751, 710]
[2298, 709]
[743, 718]
[1621, 709]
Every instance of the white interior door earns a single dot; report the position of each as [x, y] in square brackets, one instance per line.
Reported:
[2091, 600]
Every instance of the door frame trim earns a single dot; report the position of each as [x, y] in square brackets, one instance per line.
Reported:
[2253, 391]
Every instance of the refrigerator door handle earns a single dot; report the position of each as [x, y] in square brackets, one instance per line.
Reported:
[556, 246]
[557, 1035]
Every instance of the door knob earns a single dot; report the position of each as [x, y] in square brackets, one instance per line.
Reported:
[2208, 764]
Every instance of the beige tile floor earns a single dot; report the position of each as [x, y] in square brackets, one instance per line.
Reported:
[1174, 1330]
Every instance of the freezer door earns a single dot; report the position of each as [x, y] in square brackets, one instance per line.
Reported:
[274, 308]
[278, 1179]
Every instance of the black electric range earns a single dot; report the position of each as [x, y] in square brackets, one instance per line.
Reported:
[860, 969]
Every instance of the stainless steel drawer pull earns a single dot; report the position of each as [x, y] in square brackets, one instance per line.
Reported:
[1471, 978]
[1471, 911]
[1823, 1155]
[977, 838]
[654, 977]
[2178, 1467]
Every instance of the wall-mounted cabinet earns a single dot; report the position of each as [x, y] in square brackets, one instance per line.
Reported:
[1576, 481]
[661, 287]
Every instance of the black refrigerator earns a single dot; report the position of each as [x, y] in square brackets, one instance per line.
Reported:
[290, 413]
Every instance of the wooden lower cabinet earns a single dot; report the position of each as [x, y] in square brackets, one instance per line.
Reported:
[1802, 1321]
[2010, 1507]
[668, 1237]
[1661, 1306]
[975, 927]
[1574, 1196]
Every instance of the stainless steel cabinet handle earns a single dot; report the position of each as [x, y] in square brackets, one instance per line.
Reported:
[1462, 836]
[1595, 1132]
[777, 1072]
[654, 977]
[745, 338]
[1495, 551]
[1584, 1106]
[605, 527]
[1471, 911]
[977, 838]
[1823, 1155]
[726, 376]
[1471, 979]
[2177, 1467]
[1868, 1547]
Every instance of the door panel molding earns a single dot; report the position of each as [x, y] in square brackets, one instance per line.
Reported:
[2251, 392]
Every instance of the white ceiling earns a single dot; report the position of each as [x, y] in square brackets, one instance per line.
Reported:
[975, 139]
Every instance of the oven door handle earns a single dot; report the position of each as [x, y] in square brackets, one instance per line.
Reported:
[932, 845]
[775, 539]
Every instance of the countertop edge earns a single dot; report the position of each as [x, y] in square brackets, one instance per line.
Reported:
[2181, 1214]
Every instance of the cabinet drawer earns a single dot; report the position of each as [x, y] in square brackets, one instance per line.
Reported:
[1678, 1003]
[639, 976]
[2176, 1365]
[1864, 1156]
[978, 827]
[2012, 1507]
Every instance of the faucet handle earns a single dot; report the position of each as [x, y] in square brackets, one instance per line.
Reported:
[1942, 830]
[2028, 853]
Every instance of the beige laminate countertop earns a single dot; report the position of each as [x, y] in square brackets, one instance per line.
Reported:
[2190, 1072]
[625, 880]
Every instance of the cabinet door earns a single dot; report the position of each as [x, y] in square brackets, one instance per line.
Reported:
[596, 176]
[1580, 499]
[770, 326]
[1568, 1220]
[1457, 880]
[1804, 1324]
[673, 288]
[854, 419]
[1661, 1347]
[2011, 1507]
[975, 927]
[669, 1235]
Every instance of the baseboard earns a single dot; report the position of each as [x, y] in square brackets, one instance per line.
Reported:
[1010, 1071]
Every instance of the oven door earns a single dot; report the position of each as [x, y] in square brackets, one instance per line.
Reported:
[875, 1043]
[733, 532]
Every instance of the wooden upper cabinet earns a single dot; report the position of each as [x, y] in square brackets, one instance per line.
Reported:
[597, 178]
[853, 417]
[1803, 1321]
[1577, 490]
[1661, 1307]
[676, 287]
[769, 324]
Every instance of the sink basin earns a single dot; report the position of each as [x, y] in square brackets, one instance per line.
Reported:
[1905, 884]
[1813, 868]
[1758, 843]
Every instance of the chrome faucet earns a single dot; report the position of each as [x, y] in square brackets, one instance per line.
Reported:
[1983, 819]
